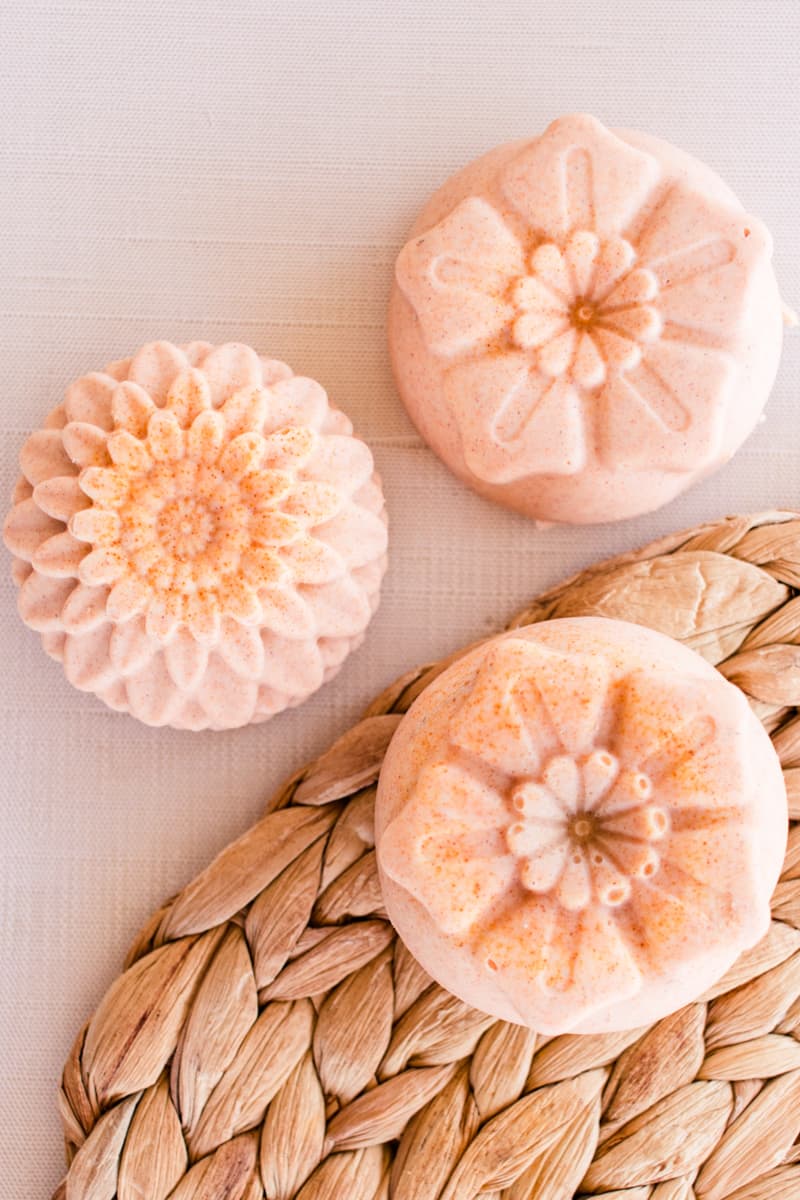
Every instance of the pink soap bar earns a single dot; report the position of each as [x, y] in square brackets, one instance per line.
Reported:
[586, 323]
[198, 536]
[579, 826]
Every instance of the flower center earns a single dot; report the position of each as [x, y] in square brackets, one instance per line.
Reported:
[582, 828]
[185, 528]
[583, 314]
[587, 830]
[585, 310]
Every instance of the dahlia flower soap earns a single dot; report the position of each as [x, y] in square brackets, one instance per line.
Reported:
[579, 826]
[198, 536]
[586, 323]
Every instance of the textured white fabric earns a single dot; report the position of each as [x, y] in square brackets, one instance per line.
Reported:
[247, 169]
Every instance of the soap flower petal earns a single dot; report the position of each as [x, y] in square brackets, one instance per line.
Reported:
[530, 417]
[455, 276]
[189, 395]
[452, 829]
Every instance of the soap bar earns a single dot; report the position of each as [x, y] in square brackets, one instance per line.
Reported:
[579, 826]
[585, 323]
[198, 536]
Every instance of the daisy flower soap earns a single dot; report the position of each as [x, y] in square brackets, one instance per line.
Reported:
[584, 324]
[579, 826]
[198, 536]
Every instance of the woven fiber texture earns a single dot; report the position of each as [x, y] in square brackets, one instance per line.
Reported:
[271, 1037]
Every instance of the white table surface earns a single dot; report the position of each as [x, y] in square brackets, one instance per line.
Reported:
[246, 170]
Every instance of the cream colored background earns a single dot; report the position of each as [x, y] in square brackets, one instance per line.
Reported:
[240, 169]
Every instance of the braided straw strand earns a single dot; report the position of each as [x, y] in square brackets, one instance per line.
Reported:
[271, 1039]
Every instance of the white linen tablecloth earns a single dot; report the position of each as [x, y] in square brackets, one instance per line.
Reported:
[246, 170]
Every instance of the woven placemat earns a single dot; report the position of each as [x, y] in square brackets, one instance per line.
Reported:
[271, 1037]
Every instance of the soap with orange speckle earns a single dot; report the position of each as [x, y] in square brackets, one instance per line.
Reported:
[585, 323]
[197, 535]
[579, 826]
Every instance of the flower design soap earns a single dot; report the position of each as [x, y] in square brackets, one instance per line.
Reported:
[199, 537]
[579, 826]
[586, 323]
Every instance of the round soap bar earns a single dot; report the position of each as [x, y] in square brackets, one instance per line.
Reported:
[579, 826]
[199, 538]
[584, 324]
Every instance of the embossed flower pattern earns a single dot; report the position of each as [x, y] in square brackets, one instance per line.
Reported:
[569, 312]
[584, 309]
[199, 538]
[585, 830]
[574, 821]
[200, 515]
